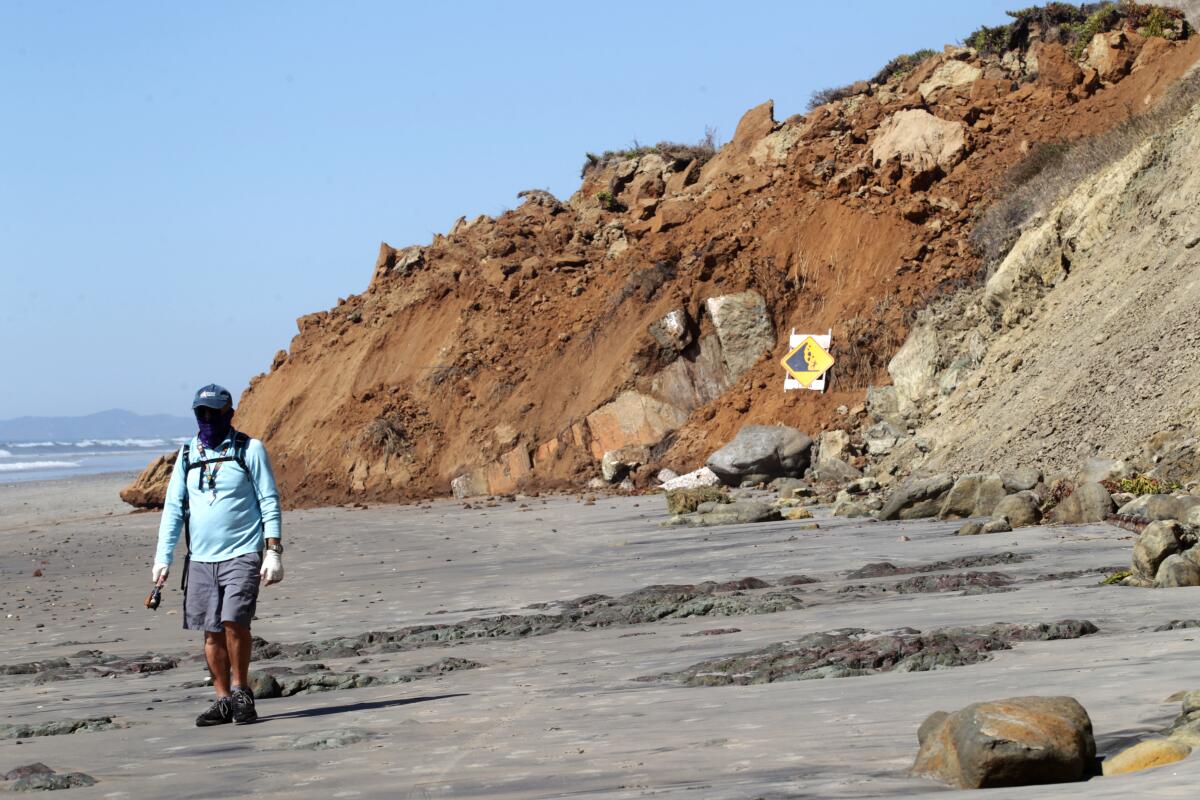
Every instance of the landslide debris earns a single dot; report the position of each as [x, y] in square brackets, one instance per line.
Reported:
[518, 350]
[852, 652]
[1080, 343]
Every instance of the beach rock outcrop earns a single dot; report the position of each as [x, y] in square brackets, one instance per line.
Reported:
[761, 453]
[40, 778]
[149, 489]
[1146, 755]
[1016, 741]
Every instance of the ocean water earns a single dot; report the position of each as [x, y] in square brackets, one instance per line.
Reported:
[43, 461]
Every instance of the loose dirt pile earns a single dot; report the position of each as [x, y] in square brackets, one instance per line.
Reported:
[516, 351]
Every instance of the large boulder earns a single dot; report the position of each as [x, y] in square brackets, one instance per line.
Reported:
[1018, 741]
[1090, 502]
[743, 327]
[616, 464]
[953, 74]
[917, 497]
[1160, 506]
[974, 495]
[1111, 54]
[1021, 509]
[1022, 479]
[1177, 570]
[831, 462]
[762, 453]
[1153, 545]
[923, 143]
[632, 419]
[149, 489]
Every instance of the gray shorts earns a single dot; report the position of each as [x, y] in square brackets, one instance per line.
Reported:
[221, 591]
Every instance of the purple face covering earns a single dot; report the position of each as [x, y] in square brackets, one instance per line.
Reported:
[214, 429]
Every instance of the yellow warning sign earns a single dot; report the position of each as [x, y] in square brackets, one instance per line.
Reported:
[808, 362]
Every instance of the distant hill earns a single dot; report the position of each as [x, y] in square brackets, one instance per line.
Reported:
[113, 424]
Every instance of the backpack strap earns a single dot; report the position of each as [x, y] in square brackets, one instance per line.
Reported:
[185, 453]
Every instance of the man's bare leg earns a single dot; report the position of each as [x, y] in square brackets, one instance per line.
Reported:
[237, 648]
[217, 655]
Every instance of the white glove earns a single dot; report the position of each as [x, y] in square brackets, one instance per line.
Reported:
[272, 568]
[159, 573]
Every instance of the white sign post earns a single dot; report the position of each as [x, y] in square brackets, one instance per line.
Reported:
[790, 383]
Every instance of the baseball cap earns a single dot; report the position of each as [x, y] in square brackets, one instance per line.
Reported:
[212, 396]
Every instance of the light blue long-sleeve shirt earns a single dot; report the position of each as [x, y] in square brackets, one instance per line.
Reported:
[234, 521]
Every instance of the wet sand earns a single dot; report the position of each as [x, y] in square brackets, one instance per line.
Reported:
[560, 714]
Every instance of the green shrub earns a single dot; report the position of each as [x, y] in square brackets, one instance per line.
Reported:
[1143, 484]
[823, 96]
[608, 202]
[901, 65]
[680, 153]
[998, 227]
[1116, 577]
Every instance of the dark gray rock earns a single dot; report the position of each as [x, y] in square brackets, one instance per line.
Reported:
[761, 453]
[849, 652]
[25, 771]
[917, 498]
[739, 512]
[57, 728]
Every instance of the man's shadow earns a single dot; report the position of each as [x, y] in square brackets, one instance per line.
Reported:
[370, 706]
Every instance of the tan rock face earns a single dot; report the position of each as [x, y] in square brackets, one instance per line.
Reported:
[1146, 755]
[951, 75]
[1112, 54]
[632, 419]
[149, 489]
[1018, 741]
[922, 141]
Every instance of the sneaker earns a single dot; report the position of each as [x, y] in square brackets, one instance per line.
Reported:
[218, 713]
[243, 706]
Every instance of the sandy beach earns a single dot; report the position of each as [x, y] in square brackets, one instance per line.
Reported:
[539, 712]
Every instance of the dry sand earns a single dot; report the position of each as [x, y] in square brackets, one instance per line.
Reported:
[560, 715]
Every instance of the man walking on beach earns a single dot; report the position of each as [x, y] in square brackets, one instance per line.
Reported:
[222, 495]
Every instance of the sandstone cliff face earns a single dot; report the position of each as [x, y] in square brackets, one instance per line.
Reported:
[651, 307]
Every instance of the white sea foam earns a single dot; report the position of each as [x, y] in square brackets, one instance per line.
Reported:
[22, 466]
[121, 443]
[32, 444]
[5, 454]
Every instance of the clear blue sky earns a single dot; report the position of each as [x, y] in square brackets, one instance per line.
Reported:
[180, 181]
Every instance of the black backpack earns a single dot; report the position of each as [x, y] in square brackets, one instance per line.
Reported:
[240, 442]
